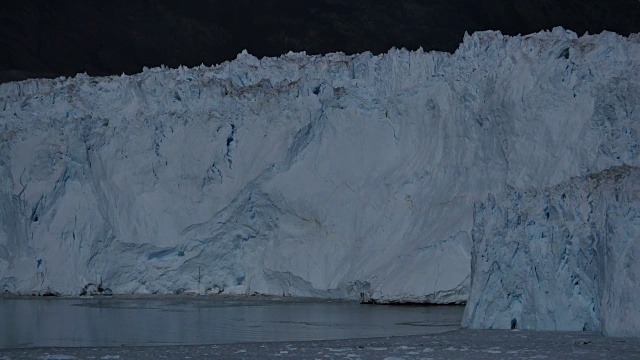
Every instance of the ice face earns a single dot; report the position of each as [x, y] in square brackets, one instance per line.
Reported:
[344, 176]
[560, 258]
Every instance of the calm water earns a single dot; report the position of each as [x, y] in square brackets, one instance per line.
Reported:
[115, 322]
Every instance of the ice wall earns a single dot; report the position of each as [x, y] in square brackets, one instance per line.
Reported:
[560, 258]
[330, 175]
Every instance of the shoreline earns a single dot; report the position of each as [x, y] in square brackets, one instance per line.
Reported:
[221, 297]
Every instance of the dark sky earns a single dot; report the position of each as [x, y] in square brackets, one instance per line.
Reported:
[46, 38]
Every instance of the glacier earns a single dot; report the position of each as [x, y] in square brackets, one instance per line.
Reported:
[347, 176]
[560, 258]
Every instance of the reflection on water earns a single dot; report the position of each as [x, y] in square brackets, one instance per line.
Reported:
[148, 322]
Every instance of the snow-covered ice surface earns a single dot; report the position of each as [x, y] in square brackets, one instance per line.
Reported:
[561, 258]
[337, 176]
[461, 344]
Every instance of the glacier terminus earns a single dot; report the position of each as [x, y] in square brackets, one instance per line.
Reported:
[408, 176]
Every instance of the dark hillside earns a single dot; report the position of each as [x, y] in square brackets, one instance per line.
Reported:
[45, 38]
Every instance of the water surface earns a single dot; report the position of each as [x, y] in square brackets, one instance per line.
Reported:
[45, 322]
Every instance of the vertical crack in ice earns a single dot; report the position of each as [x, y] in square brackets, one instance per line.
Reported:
[231, 145]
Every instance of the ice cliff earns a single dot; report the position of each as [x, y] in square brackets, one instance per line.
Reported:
[561, 258]
[345, 176]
